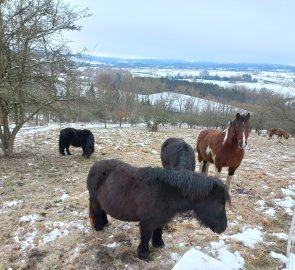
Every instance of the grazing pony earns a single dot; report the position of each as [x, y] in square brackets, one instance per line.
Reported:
[153, 196]
[78, 138]
[224, 148]
[176, 153]
[278, 131]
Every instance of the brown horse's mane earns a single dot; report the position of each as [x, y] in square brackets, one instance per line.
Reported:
[192, 185]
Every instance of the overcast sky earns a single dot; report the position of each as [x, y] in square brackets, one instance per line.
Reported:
[232, 31]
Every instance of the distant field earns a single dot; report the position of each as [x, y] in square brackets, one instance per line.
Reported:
[280, 81]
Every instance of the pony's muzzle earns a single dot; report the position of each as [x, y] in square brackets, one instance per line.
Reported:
[220, 229]
[242, 145]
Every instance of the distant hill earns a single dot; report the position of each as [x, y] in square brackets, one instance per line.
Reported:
[99, 61]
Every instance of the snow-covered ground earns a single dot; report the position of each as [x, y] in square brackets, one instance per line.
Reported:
[264, 192]
[178, 102]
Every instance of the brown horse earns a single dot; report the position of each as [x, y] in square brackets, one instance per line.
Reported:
[278, 131]
[153, 196]
[224, 148]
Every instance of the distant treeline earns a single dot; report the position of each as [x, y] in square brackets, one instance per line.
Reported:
[113, 62]
[148, 85]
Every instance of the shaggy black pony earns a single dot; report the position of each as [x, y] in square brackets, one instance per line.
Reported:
[78, 138]
[153, 196]
[176, 153]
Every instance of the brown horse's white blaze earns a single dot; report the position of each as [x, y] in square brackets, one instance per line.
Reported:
[224, 148]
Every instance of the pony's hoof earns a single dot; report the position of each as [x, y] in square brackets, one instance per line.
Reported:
[98, 228]
[159, 244]
[143, 255]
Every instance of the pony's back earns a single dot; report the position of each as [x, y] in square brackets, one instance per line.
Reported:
[176, 153]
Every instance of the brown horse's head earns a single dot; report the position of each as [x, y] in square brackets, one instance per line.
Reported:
[286, 135]
[239, 128]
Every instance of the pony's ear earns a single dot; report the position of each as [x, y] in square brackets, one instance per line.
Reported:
[238, 116]
[247, 116]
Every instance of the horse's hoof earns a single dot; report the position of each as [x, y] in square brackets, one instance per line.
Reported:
[143, 255]
[159, 244]
[98, 228]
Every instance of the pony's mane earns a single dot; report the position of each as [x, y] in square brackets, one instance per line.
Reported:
[192, 185]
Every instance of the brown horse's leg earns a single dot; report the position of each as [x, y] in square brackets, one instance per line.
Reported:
[217, 171]
[157, 238]
[231, 172]
[143, 251]
[204, 167]
[200, 167]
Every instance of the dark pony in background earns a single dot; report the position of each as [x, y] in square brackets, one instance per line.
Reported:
[153, 196]
[279, 132]
[224, 148]
[176, 153]
[78, 138]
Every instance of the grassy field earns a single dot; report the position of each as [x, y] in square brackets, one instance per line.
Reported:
[44, 204]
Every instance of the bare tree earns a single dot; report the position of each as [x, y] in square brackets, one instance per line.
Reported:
[35, 68]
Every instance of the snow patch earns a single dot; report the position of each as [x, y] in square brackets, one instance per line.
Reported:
[249, 236]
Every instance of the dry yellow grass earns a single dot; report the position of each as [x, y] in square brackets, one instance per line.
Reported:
[38, 178]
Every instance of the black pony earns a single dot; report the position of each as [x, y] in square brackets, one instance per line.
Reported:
[176, 153]
[153, 196]
[78, 138]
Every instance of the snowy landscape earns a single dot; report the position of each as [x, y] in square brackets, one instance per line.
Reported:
[44, 205]
[279, 81]
[275, 78]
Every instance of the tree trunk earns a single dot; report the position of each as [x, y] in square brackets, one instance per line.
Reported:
[7, 147]
[7, 140]
[37, 119]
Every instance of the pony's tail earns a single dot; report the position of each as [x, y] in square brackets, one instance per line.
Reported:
[61, 143]
[92, 217]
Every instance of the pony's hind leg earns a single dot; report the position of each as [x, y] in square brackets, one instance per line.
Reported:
[157, 238]
[61, 147]
[104, 218]
[143, 251]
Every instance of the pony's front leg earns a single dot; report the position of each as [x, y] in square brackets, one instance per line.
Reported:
[157, 238]
[68, 150]
[143, 250]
